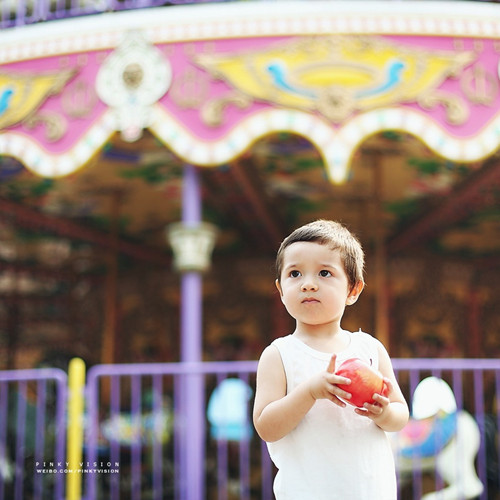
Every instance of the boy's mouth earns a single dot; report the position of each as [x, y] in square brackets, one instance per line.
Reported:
[308, 300]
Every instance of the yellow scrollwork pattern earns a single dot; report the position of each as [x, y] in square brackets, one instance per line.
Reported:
[336, 76]
[21, 95]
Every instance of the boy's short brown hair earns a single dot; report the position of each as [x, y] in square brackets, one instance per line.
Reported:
[337, 237]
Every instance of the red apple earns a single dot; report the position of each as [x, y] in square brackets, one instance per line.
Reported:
[365, 381]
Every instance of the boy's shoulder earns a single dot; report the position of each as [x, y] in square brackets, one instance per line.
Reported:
[362, 336]
[279, 341]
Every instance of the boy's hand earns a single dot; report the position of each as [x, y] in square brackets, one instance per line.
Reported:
[324, 385]
[376, 410]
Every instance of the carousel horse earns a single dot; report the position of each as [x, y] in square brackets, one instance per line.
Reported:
[227, 411]
[150, 426]
[6, 467]
[439, 438]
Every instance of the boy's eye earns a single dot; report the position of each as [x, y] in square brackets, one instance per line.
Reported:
[294, 274]
[324, 273]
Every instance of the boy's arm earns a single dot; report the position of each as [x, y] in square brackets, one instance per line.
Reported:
[391, 413]
[276, 413]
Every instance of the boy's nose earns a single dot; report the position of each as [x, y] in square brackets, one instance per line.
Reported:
[309, 285]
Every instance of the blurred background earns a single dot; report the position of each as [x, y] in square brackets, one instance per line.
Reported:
[86, 256]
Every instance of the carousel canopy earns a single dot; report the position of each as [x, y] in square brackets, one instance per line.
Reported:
[373, 113]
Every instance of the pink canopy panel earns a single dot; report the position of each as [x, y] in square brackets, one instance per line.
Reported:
[209, 86]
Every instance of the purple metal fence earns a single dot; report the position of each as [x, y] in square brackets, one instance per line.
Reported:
[32, 434]
[133, 425]
[119, 408]
[24, 12]
[476, 387]
[134, 431]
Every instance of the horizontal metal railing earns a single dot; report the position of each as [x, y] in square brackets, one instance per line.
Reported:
[153, 393]
[476, 387]
[23, 12]
[32, 433]
[475, 383]
[133, 421]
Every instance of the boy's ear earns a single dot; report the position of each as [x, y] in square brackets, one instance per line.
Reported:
[278, 286]
[355, 293]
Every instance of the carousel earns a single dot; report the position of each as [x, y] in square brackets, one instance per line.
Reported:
[152, 160]
[121, 132]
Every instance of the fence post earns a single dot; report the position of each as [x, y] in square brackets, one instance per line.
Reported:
[76, 385]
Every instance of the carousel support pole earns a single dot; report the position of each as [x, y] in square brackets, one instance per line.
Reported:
[108, 348]
[381, 282]
[108, 351]
[475, 342]
[192, 242]
[193, 453]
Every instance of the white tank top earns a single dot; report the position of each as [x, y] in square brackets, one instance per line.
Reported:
[333, 454]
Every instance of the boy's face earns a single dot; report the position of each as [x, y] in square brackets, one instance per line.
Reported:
[314, 287]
